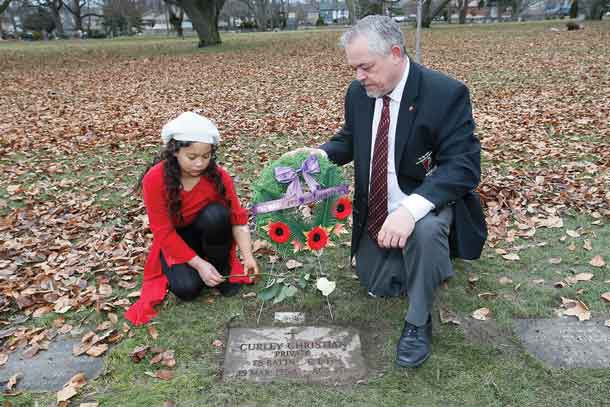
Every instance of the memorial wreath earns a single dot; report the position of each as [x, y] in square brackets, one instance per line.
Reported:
[294, 219]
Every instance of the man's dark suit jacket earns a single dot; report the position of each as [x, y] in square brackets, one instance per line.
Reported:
[437, 154]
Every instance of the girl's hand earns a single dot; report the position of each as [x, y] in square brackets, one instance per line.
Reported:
[251, 268]
[208, 273]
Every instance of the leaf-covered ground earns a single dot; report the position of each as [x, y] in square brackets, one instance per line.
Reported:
[79, 120]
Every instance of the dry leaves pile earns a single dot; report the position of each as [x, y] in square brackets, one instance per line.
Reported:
[160, 357]
[72, 133]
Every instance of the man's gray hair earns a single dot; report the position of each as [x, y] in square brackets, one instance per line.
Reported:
[381, 32]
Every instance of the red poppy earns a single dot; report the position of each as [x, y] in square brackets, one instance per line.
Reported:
[317, 238]
[279, 232]
[343, 208]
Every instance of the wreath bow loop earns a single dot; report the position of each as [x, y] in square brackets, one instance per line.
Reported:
[287, 175]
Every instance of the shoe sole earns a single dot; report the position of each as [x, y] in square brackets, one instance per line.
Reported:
[414, 365]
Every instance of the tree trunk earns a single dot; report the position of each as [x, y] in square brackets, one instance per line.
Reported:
[76, 9]
[429, 13]
[55, 8]
[204, 17]
[351, 7]
[463, 6]
[261, 14]
[426, 19]
[4, 5]
[176, 16]
[261, 11]
[574, 9]
[594, 9]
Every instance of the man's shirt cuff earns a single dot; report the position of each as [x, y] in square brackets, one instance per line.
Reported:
[417, 205]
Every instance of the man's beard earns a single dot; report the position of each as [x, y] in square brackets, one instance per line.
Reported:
[373, 94]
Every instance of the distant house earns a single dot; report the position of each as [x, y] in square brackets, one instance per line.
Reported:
[158, 22]
[334, 11]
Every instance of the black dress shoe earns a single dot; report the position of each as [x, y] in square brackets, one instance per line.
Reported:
[229, 289]
[414, 345]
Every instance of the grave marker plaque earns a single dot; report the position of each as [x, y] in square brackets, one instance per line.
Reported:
[300, 353]
[565, 342]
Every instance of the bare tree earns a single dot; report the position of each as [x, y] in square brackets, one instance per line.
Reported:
[176, 17]
[235, 9]
[123, 16]
[261, 9]
[462, 9]
[430, 11]
[4, 5]
[204, 17]
[593, 9]
[54, 7]
[80, 9]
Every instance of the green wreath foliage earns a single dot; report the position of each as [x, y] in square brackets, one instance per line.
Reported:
[267, 188]
[285, 283]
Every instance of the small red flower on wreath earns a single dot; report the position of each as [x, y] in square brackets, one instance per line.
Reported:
[343, 208]
[317, 238]
[279, 232]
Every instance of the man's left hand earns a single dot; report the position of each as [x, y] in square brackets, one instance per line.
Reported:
[396, 229]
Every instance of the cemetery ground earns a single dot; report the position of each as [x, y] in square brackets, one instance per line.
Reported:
[81, 119]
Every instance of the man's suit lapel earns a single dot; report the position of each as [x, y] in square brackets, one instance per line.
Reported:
[368, 110]
[407, 112]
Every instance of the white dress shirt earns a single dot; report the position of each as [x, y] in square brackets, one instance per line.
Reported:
[417, 205]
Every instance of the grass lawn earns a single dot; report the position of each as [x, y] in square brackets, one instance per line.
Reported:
[82, 118]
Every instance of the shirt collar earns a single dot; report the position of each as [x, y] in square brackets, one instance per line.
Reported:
[396, 94]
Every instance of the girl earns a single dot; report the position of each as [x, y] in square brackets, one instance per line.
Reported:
[195, 217]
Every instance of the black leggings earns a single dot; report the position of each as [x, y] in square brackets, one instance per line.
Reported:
[210, 236]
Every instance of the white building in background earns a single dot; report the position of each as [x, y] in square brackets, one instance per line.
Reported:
[155, 22]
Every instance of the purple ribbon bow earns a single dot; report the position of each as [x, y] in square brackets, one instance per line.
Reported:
[287, 175]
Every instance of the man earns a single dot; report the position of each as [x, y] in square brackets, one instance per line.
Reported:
[410, 132]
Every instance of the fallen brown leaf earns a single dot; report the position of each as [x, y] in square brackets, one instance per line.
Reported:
[152, 331]
[511, 256]
[505, 280]
[579, 277]
[164, 374]
[139, 353]
[482, 314]
[66, 393]
[597, 261]
[575, 308]
[293, 264]
[606, 296]
[447, 316]
[97, 350]
[12, 382]
[31, 351]
[77, 381]
[113, 318]
[538, 281]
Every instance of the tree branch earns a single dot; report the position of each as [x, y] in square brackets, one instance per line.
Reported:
[69, 9]
[4, 5]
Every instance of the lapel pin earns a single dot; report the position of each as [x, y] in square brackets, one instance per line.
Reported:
[411, 108]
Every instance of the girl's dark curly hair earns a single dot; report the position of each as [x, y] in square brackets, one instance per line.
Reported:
[172, 174]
